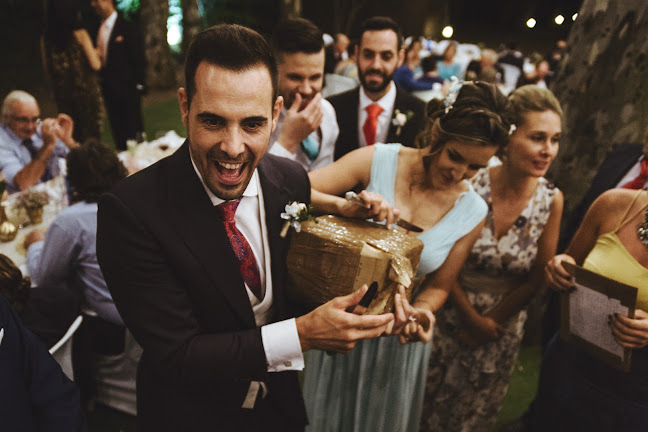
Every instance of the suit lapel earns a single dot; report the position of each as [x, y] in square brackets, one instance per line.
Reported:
[203, 233]
[275, 198]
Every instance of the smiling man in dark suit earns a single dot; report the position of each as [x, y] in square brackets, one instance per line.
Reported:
[367, 115]
[123, 66]
[200, 285]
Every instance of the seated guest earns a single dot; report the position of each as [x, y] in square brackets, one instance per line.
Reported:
[30, 149]
[67, 252]
[307, 127]
[576, 390]
[336, 52]
[404, 75]
[486, 68]
[541, 76]
[447, 65]
[46, 312]
[36, 395]
[431, 70]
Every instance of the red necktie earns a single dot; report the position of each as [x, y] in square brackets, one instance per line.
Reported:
[371, 124]
[241, 247]
[640, 180]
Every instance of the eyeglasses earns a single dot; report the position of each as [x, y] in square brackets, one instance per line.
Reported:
[26, 120]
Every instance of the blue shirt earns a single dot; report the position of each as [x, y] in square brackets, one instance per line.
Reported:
[404, 78]
[448, 71]
[14, 155]
[69, 254]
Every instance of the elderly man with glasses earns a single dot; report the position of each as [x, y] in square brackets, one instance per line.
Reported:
[30, 148]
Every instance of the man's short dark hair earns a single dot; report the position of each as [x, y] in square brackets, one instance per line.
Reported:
[231, 47]
[381, 23]
[297, 35]
[429, 63]
[93, 169]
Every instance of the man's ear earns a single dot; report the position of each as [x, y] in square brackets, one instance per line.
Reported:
[401, 57]
[276, 110]
[184, 106]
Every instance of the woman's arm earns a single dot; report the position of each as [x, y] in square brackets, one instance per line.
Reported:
[82, 36]
[348, 173]
[437, 285]
[520, 297]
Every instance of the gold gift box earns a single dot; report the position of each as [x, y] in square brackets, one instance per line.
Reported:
[336, 256]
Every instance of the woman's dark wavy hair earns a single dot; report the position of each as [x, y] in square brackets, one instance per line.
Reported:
[481, 115]
[62, 17]
[93, 169]
[13, 285]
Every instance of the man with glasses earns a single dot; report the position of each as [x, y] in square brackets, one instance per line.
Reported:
[30, 149]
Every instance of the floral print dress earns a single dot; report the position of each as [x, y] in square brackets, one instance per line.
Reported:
[465, 386]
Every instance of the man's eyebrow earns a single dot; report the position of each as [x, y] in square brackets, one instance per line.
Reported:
[260, 119]
[210, 116]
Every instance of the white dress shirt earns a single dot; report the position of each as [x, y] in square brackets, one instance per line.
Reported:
[632, 173]
[103, 37]
[330, 131]
[280, 339]
[384, 119]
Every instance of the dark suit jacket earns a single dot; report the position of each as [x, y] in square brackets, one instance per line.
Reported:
[126, 64]
[346, 109]
[174, 278]
[616, 164]
[35, 394]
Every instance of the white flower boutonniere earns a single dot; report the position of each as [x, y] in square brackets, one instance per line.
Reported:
[400, 119]
[295, 213]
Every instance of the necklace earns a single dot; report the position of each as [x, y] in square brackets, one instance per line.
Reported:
[642, 230]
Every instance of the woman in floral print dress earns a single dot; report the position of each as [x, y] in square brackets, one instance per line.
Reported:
[481, 326]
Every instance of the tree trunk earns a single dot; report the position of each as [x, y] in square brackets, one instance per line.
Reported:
[600, 87]
[160, 70]
[190, 23]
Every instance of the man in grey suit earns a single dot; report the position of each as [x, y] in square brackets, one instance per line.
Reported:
[368, 114]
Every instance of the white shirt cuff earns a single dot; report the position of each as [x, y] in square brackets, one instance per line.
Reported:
[281, 345]
[278, 150]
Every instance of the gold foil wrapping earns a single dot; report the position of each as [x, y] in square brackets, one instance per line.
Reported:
[336, 256]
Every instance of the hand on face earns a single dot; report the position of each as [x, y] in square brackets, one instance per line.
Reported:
[300, 121]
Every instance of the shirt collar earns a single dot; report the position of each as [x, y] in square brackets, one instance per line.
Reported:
[252, 189]
[386, 102]
[110, 21]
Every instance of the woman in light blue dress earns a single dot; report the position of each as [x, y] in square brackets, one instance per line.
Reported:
[379, 385]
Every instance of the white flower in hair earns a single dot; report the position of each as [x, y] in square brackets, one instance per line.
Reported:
[512, 129]
[455, 86]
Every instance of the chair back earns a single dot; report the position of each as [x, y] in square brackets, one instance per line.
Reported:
[62, 350]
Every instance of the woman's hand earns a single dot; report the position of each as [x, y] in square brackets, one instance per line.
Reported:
[420, 328]
[630, 332]
[480, 331]
[556, 275]
[375, 207]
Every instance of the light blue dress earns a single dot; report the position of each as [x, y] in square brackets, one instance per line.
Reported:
[379, 385]
[448, 71]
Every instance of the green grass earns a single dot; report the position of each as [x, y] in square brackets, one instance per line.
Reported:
[524, 383]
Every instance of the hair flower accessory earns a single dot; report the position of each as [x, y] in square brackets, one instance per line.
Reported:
[295, 213]
[400, 119]
[512, 129]
[455, 86]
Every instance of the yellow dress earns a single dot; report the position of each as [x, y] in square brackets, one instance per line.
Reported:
[611, 259]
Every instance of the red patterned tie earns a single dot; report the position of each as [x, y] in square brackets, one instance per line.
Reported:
[241, 247]
[371, 124]
[640, 180]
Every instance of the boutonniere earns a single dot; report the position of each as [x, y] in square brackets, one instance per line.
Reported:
[296, 213]
[400, 119]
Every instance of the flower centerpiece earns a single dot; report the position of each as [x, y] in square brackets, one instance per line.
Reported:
[295, 213]
[33, 202]
[400, 119]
